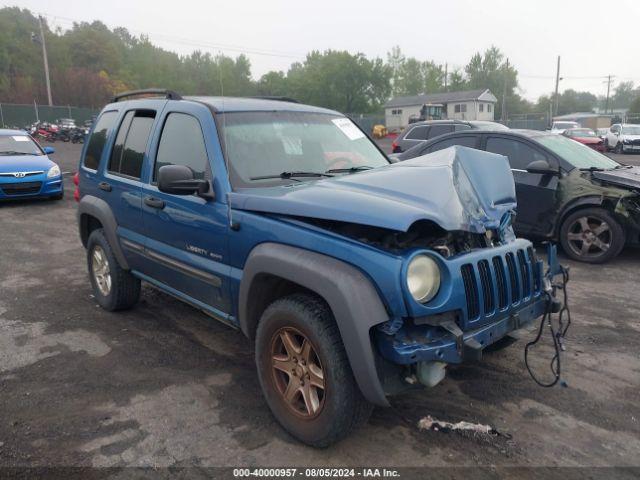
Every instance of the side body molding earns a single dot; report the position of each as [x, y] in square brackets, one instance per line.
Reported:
[94, 206]
[354, 301]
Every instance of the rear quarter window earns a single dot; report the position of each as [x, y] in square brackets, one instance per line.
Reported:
[99, 139]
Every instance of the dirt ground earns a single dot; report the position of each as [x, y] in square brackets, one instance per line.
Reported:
[164, 385]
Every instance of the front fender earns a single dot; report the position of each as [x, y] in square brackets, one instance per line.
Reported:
[352, 298]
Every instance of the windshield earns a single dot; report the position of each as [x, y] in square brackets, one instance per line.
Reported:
[18, 145]
[564, 125]
[266, 144]
[582, 132]
[578, 155]
[631, 130]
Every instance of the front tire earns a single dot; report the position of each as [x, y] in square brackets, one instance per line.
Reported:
[304, 371]
[113, 287]
[592, 235]
[619, 148]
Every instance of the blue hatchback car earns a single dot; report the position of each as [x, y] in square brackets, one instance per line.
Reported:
[25, 168]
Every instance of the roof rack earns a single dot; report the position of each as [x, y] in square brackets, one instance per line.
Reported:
[277, 98]
[168, 94]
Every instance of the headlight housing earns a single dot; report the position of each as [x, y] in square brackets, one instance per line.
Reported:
[423, 278]
[53, 172]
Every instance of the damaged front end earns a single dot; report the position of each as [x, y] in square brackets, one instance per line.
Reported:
[494, 293]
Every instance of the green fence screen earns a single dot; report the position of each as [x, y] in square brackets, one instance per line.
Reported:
[19, 116]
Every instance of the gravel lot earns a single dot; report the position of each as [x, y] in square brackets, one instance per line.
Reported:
[165, 385]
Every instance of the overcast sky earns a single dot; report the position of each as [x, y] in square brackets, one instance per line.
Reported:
[593, 38]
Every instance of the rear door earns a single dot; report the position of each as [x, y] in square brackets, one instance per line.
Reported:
[536, 193]
[186, 236]
[121, 180]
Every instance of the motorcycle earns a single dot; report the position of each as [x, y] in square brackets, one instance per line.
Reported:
[78, 134]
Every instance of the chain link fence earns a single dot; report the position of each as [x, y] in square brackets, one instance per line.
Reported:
[366, 121]
[14, 115]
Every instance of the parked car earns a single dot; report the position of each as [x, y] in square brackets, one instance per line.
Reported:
[423, 131]
[602, 133]
[623, 138]
[25, 168]
[560, 127]
[566, 191]
[286, 221]
[585, 136]
[66, 123]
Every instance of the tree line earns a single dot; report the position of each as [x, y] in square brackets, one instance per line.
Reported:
[89, 63]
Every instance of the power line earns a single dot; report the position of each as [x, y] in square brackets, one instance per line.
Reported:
[189, 42]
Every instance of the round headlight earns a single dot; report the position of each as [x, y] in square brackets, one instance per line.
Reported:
[423, 278]
[53, 172]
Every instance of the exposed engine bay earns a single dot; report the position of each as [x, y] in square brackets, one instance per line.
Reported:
[422, 234]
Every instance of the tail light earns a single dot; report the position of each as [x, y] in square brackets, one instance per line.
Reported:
[76, 182]
[394, 147]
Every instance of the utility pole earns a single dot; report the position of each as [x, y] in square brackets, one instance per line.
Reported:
[555, 98]
[46, 60]
[503, 113]
[446, 77]
[606, 105]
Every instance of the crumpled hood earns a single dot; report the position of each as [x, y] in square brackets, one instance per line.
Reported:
[458, 188]
[24, 163]
[623, 177]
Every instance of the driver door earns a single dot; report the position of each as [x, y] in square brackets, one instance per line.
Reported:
[536, 193]
[186, 235]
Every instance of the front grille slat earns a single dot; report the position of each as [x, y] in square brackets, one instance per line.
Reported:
[22, 188]
[501, 283]
[513, 278]
[471, 291]
[525, 273]
[487, 287]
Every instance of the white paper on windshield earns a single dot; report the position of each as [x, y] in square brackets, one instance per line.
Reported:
[348, 128]
[20, 138]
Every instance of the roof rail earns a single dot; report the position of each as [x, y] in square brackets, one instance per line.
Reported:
[168, 94]
[276, 97]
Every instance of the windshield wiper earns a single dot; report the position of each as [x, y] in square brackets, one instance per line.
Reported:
[592, 169]
[291, 175]
[11, 152]
[349, 170]
[622, 166]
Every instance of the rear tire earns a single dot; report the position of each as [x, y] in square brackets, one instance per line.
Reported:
[303, 322]
[592, 235]
[619, 150]
[113, 287]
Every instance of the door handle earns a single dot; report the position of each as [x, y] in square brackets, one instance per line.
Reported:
[104, 186]
[154, 202]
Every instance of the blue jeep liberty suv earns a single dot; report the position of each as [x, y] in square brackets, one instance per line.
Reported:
[354, 278]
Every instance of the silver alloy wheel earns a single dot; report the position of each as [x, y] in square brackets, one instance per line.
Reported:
[589, 237]
[100, 270]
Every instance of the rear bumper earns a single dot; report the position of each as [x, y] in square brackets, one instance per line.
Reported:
[426, 343]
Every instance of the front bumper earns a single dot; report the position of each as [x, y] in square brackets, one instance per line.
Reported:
[426, 343]
[30, 187]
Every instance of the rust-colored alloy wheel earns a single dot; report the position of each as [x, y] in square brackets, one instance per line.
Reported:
[297, 372]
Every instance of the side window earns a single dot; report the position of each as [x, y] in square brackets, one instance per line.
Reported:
[131, 143]
[520, 154]
[461, 126]
[489, 106]
[182, 143]
[466, 141]
[481, 107]
[418, 133]
[98, 139]
[437, 130]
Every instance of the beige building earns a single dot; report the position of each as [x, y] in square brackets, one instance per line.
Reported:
[466, 105]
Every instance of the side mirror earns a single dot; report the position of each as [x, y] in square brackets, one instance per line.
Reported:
[49, 150]
[178, 180]
[542, 167]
